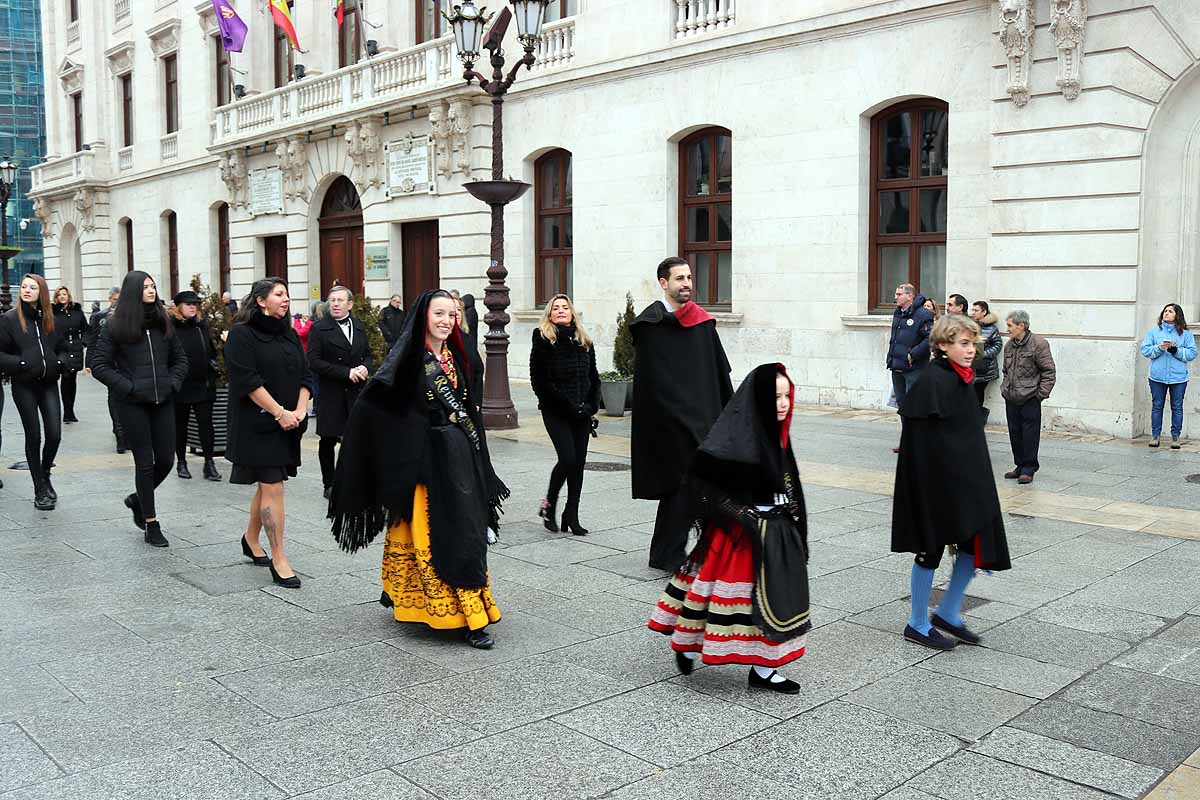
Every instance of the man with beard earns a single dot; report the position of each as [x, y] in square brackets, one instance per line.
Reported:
[680, 385]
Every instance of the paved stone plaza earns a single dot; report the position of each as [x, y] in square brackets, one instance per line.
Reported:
[129, 672]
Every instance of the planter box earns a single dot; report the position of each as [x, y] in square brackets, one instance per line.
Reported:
[613, 394]
[220, 415]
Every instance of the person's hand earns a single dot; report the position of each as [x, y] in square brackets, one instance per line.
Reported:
[1165, 344]
[287, 420]
[359, 374]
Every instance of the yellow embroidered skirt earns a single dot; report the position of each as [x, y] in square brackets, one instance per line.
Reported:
[417, 593]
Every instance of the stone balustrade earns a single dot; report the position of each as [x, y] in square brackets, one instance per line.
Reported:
[120, 13]
[169, 147]
[73, 35]
[557, 46]
[125, 159]
[698, 17]
[78, 169]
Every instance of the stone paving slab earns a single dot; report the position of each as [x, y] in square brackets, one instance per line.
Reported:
[22, 762]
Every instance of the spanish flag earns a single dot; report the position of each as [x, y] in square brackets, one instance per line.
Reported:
[283, 21]
[339, 11]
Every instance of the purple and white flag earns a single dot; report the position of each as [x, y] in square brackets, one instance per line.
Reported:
[233, 30]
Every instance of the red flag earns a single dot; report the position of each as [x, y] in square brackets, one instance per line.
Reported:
[339, 11]
[283, 20]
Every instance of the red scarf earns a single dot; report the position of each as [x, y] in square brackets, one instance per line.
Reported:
[690, 314]
[966, 373]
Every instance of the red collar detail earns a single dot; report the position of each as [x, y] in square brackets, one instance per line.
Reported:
[690, 314]
[966, 373]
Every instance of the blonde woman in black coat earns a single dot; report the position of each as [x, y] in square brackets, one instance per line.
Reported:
[562, 369]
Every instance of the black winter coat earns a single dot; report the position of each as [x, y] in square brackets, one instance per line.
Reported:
[908, 348]
[262, 354]
[331, 357]
[391, 322]
[148, 371]
[945, 491]
[96, 324]
[564, 375]
[71, 324]
[200, 385]
[31, 355]
[987, 365]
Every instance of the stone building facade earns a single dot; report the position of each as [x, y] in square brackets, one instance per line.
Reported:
[807, 156]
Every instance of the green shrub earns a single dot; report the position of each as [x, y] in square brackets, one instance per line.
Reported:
[623, 353]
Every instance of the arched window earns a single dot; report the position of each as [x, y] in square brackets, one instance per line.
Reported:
[172, 254]
[223, 267]
[706, 214]
[909, 191]
[555, 230]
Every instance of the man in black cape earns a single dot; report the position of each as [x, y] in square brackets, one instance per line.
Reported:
[680, 385]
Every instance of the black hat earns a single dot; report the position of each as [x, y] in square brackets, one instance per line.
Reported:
[187, 297]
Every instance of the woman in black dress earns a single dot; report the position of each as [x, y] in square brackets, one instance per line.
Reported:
[199, 388]
[139, 357]
[30, 353]
[562, 369]
[72, 325]
[269, 387]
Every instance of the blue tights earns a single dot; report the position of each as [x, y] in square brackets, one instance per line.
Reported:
[950, 609]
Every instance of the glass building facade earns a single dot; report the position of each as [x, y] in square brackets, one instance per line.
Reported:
[22, 120]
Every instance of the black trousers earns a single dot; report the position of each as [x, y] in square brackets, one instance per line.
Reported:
[1025, 433]
[668, 546]
[34, 400]
[570, 438]
[115, 415]
[980, 390]
[326, 453]
[204, 426]
[70, 385]
[150, 433]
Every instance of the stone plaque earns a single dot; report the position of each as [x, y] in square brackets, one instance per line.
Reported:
[375, 262]
[266, 191]
[410, 166]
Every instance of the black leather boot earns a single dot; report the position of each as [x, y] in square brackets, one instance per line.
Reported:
[41, 498]
[53, 495]
[154, 535]
[570, 522]
[546, 512]
[210, 471]
[181, 469]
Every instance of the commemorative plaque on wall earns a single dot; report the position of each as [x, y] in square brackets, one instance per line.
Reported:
[266, 191]
[410, 166]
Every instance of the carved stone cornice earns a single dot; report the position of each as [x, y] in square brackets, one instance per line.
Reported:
[120, 58]
[71, 76]
[208, 19]
[164, 37]
[1018, 18]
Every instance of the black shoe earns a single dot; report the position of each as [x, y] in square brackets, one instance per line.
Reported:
[120, 443]
[959, 632]
[571, 525]
[684, 664]
[49, 487]
[328, 490]
[42, 500]
[290, 582]
[181, 469]
[480, 639]
[259, 561]
[546, 512]
[135, 505]
[210, 471]
[154, 535]
[69, 418]
[385, 600]
[784, 686]
[934, 641]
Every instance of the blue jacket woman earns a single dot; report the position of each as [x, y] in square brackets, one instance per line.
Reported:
[1169, 346]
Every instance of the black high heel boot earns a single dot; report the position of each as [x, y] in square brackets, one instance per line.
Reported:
[570, 523]
[546, 512]
[181, 469]
[210, 471]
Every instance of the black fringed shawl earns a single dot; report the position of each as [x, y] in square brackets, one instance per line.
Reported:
[395, 440]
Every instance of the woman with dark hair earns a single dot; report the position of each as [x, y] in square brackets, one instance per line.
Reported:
[30, 353]
[987, 364]
[72, 325]
[1169, 346]
[199, 388]
[269, 387]
[139, 357]
[742, 597]
[562, 369]
[415, 462]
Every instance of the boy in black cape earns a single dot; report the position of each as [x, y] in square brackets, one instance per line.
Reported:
[680, 384]
[945, 493]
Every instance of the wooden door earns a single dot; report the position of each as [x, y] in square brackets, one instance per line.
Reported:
[275, 251]
[341, 259]
[420, 256]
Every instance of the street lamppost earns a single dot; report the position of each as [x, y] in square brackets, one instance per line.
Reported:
[8, 177]
[468, 23]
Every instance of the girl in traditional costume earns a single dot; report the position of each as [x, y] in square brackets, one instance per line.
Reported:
[415, 462]
[742, 598]
[945, 493]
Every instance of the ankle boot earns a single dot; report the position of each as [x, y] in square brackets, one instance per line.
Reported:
[210, 471]
[570, 522]
[41, 498]
[181, 469]
[546, 512]
[154, 535]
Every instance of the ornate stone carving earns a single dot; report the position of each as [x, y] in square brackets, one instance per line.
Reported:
[208, 19]
[41, 210]
[1017, 21]
[71, 76]
[85, 204]
[439, 124]
[460, 130]
[233, 173]
[293, 162]
[365, 148]
[1067, 21]
[164, 37]
[120, 58]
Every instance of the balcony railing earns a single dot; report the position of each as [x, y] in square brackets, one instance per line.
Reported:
[697, 17]
[125, 158]
[73, 35]
[82, 168]
[169, 146]
[557, 46]
[120, 13]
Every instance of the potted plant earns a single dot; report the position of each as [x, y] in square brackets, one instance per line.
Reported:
[368, 314]
[616, 385]
[219, 322]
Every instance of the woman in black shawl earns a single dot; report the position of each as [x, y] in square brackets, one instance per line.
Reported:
[742, 598]
[414, 461]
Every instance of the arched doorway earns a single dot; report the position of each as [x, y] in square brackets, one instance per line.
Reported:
[341, 229]
[70, 260]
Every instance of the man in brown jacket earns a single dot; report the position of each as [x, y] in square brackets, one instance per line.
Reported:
[1028, 380]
